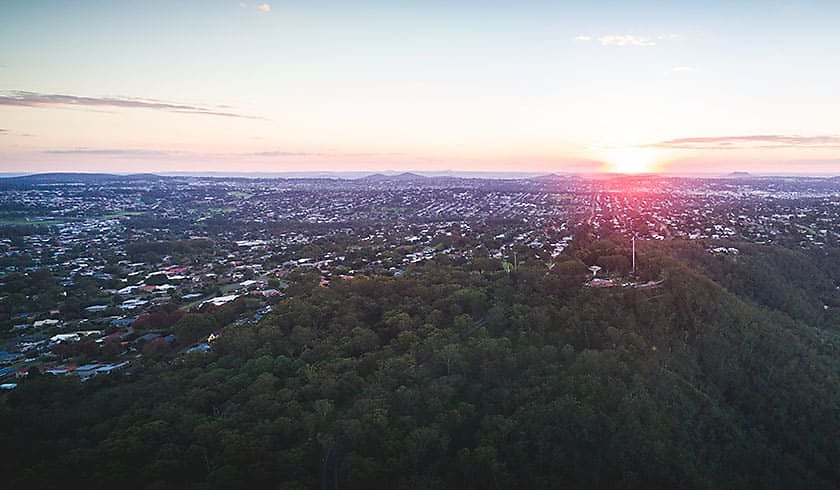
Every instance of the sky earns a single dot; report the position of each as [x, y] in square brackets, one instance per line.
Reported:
[681, 87]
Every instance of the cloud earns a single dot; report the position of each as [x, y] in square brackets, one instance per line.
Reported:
[108, 152]
[328, 154]
[243, 5]
[626, 40]
[264, 7]
[623, 40]
[152, 153]
[4, 131]
[768, 141]
[22, 98]
[283, 154]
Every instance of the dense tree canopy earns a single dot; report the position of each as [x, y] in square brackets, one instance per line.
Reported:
[470, 377]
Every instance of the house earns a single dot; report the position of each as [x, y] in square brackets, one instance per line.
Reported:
[123, 322]
[86, 370]
[148, 337]
[220, 300]
[65, 337]
[60, 370]
[107, 369]
[199, 348]
[46, 323]
[126, 290]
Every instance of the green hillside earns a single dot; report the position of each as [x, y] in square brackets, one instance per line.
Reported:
[725, 375]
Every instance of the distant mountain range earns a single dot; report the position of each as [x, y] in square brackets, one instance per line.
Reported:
[428, 177]
[403, 177]
[76, 177]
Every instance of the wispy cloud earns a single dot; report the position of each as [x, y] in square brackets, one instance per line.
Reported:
[156, 153]
[683, 69]
[262, 7]
[22, 98]
[623, 40]
[768, 141]
[327, 154]
[283, 154]
[109, 152]
[626, 40]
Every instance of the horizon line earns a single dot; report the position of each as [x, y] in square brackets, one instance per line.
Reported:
[360, 174]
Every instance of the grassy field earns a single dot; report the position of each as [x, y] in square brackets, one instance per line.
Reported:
[121, 214]
[221, 210]
[25, 222]
[240, 194]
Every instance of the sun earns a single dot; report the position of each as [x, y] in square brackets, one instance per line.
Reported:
[630, 160]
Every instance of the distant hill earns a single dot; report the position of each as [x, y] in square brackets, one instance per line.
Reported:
[738, 175]
[403, 177]
[75, 177]
[551, 176]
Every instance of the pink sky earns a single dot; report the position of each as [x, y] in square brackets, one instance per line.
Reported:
[534, 87]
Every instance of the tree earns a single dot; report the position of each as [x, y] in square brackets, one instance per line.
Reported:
[193, 327]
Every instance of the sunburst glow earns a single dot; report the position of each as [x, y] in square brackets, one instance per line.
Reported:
[631, 160]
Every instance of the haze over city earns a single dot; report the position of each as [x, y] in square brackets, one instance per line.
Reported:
[563, 87]
[420, 245]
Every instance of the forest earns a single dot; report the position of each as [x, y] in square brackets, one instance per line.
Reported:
[467, 374]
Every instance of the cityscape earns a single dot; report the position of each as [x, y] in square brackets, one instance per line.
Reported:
[106, 252]
[420, 245]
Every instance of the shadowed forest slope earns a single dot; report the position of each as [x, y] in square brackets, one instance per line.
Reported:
[460, 376]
